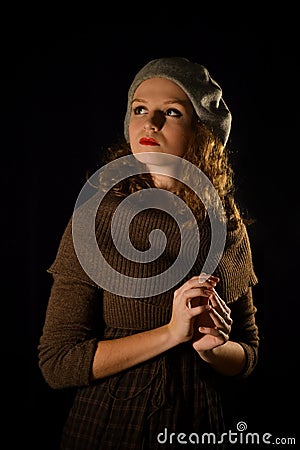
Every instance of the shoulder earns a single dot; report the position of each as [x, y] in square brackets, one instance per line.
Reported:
[96, 208]
[236, 237]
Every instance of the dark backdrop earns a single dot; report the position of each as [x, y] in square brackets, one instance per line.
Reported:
[64, 98]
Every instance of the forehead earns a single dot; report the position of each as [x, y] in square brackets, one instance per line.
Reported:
[160, 88]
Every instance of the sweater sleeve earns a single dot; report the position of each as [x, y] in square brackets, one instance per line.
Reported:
[73, 322]
[71, 330]
[245, 330]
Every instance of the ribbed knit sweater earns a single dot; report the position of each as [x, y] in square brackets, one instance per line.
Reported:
[80, 313]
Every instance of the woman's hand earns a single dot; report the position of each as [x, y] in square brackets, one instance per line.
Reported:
[210, 335]
[198, 289]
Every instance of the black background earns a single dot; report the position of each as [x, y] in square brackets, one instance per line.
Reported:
[64, 92]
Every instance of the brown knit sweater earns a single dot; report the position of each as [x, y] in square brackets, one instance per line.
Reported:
[176, 390]
[79, 311]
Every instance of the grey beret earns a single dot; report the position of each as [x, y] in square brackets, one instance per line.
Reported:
[195, 80]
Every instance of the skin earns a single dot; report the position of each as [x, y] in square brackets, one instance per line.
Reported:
[161, 110]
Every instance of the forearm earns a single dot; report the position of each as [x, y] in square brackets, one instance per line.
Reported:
[113, 356]
[228, 359]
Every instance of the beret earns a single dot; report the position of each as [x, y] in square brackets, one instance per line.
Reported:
[194, 79]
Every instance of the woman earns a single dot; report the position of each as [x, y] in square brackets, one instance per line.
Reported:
[147, 362]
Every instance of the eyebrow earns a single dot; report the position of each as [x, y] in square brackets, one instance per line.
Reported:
[167, 102]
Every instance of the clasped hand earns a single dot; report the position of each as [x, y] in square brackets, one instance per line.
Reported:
[199, 314]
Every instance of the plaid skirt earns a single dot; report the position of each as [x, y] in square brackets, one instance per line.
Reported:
[159, 404]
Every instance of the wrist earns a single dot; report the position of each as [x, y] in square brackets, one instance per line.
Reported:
[211, 355]
[206, 355]
[171, 336]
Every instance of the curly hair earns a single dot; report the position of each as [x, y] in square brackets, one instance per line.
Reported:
[209, 155]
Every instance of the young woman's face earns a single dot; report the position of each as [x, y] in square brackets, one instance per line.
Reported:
[161, 118]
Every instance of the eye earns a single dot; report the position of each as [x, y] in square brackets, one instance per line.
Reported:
[139, 110]
[173, 112]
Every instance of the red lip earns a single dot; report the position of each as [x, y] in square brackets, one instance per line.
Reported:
[148, 141]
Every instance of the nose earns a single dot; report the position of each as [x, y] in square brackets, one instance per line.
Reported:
[154, 121]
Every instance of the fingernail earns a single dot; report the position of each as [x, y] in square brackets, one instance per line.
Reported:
[215, 278]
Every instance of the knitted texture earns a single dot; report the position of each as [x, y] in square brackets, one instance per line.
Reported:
[66, 352]
[175, 390]
[234, 269]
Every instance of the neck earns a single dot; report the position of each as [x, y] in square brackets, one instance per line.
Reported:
[165, 182]
[164, 168]
[165, 176]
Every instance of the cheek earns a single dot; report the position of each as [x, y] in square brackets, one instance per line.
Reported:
[132, 130]
[133, 139]
[181, 141]
[186, 137]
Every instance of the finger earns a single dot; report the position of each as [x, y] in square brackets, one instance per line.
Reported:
[219, 305]
[194, 283]
[211, 279]
[215, 332]
[189, 294]
[222, 302]
[223, 322]
[220, 317]
[197, 310]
